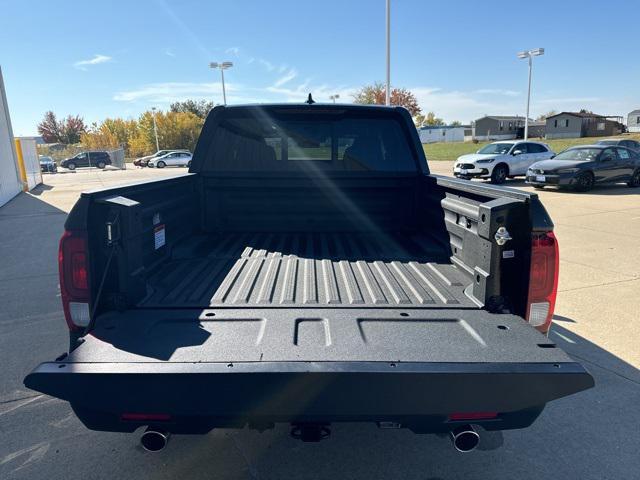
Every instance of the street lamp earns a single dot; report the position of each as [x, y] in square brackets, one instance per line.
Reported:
[529, 54]
[155, 128]
[387, 96]
[334, 97]
[222, 66]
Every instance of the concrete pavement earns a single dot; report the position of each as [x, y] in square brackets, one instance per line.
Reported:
[589, 436]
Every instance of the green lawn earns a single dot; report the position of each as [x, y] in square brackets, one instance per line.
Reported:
[451, 151]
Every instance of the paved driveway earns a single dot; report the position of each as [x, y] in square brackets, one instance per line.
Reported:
[592, 435]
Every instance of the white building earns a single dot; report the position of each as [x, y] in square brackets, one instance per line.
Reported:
[10, 177]
[633, 121]
[432, 134]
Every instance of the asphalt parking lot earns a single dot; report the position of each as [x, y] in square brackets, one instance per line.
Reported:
[592, 435]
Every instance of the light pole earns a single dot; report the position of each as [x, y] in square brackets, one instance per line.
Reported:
[387, 97]
[155, 128]
[529, 54]
[334, 97]
[222, 66]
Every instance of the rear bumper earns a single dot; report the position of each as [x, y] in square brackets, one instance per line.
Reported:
[194, 398]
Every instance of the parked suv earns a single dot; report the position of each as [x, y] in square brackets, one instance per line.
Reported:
[501, 160]
[87, 159]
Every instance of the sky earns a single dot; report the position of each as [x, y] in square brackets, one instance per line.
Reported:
[100, 59]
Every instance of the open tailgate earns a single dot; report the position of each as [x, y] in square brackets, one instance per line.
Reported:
[330, 365]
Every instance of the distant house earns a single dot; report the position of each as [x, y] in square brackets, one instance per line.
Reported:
[442, 133]
[581, 124]
[496, 127]
[633, 121]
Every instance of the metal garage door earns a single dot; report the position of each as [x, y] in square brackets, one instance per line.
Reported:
[10, 184]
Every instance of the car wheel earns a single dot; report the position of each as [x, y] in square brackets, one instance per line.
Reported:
[499, 174]
[539, 187]
[71, 166]
[100, 165]
[161, 164]
[635, 179]
[584, 182]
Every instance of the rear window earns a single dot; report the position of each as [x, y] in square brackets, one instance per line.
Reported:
[260, 141]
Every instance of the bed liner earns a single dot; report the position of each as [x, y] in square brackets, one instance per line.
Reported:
[308, 270]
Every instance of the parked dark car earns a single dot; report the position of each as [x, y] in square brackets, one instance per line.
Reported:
[585, 166]
[98, 159]
[621, 142]
[48, 165]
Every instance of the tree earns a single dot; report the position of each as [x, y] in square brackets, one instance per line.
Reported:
[376, 95]
[72, 128]
[544, 116]
[199, 108]
[456, 123]
[61, 131]
[432, 120]
[50, 128]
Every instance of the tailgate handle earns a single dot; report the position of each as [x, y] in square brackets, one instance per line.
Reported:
[502, 236]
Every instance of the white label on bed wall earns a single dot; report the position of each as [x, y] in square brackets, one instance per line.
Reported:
[158, 236]
[508, 254]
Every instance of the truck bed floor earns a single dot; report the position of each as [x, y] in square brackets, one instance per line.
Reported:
[308, 270]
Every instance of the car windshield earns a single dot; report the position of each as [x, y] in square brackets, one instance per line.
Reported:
[579, 154]
[46, 160]
[495, 148]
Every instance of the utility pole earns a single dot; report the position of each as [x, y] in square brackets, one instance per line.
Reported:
[529, 54]
[222, 66]
[155, 128]
[388, 86]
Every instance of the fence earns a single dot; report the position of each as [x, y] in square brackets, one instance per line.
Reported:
[59, 152]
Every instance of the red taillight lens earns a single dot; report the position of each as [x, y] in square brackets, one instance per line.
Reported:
[74, 278]
[543, 280]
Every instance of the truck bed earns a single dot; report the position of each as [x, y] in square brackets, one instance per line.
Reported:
[308, 270]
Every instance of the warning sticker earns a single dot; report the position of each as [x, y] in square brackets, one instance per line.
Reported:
[158, 236]
[508, 254]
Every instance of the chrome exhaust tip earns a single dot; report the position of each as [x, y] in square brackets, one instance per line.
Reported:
[153, 440]
[464, 438]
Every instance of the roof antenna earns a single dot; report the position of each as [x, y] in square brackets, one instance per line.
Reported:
[310, 100]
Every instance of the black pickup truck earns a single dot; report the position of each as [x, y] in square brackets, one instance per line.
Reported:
[308, 270]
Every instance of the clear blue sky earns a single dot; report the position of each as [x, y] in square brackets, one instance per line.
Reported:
[118, 58]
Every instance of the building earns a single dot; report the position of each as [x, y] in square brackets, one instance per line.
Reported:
[10, 178]
[582, 124]
[442, 133]
[496, 127]
[633, 121]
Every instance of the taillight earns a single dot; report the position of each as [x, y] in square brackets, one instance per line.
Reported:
[543, 280]
[74, 278]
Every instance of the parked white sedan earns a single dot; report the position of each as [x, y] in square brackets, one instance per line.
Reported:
[501, 160]
[173, 159]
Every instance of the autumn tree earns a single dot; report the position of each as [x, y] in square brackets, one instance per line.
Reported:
[66, 131]
[199, 108]
[376, 95]
[49, 128]
[72, 128]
